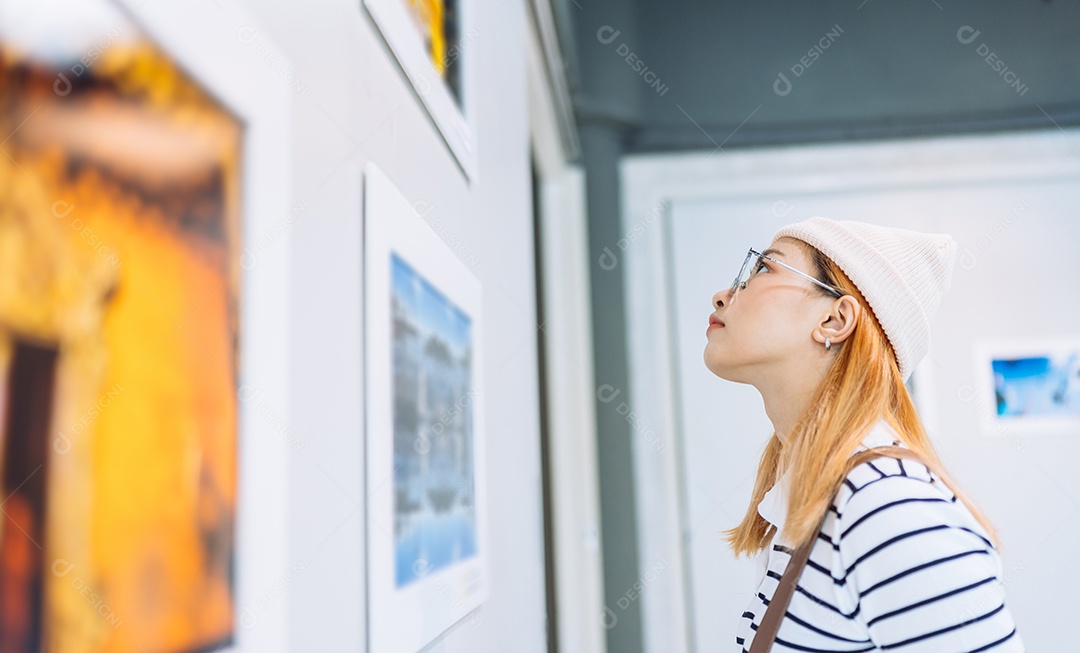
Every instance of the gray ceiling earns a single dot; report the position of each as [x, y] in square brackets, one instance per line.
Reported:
[697, 75]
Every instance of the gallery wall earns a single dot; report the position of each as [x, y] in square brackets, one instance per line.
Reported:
[351, 105]
[189, 197]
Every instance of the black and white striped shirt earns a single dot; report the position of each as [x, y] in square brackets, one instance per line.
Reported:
[900, 565]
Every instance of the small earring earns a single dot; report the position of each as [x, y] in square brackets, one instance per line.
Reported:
[828, 344]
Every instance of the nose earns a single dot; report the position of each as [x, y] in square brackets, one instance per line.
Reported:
[722, 298]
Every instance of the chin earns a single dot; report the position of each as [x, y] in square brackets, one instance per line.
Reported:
[724, 369]
[715, 366]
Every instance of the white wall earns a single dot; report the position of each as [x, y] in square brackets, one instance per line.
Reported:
[350, 106]
[1010, 201]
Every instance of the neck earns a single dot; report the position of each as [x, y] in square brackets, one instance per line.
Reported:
[787, 395]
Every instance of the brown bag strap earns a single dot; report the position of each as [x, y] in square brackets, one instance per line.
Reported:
[774, 614]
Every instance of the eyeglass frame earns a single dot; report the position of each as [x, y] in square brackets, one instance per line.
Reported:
[752, 252]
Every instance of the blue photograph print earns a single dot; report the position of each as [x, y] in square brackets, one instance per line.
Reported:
[434, 481]
[1037, 386]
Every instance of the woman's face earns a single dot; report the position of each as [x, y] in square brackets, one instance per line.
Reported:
[768, 324]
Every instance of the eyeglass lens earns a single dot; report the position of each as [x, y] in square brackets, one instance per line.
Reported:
[747, 271]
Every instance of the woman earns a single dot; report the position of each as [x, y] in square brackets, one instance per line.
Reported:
[827, 324]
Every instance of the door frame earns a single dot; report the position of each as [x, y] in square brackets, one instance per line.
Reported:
[652, 183]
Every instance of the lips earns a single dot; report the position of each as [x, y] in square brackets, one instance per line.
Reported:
[715, 321]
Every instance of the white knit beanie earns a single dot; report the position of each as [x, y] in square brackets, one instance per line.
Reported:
[903, 275]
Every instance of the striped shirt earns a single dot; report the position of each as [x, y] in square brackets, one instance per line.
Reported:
[900, 565]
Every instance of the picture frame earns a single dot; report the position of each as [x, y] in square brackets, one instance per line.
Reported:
[427, 566]
[201, 39]
[224, 49]
[1028, 387]
[423, 44]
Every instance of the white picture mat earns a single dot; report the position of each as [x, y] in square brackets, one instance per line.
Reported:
[409, 618]
[455, 123]
[201, 37]
[987, 351]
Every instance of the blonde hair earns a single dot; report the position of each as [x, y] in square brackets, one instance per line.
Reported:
[863, 384]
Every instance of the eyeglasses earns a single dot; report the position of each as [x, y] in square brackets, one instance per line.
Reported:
[752, 265]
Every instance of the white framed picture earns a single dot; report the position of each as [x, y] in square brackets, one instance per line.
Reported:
[434, 48]
[157, 422]
[425, 474]
[1027, 387]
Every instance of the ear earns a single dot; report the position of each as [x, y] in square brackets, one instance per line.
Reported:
[838, 323]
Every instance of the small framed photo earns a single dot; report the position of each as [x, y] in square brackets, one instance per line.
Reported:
[426, 491]
[435, 50]
[1030, 387]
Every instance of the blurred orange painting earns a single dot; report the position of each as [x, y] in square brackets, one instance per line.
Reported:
[119, 334]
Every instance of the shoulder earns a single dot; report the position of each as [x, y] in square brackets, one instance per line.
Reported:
[887, 480]
[889, 498]
[909, 557]
[897, 473]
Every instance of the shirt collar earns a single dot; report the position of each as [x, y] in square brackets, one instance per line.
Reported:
[773, 506]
